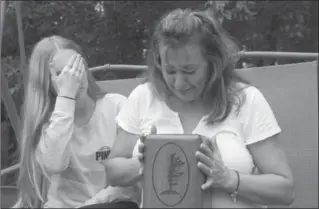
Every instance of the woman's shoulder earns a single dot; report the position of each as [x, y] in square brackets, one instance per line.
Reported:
[248, 90]
[253, 94]
[251, 97]
[142, 91]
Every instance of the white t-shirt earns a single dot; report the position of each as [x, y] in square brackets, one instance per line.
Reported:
[255, 122]
[71, 154]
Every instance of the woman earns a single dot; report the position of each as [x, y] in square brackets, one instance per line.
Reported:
[192, 88]
[68, 128]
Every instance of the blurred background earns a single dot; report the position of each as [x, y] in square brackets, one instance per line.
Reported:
[117, 32]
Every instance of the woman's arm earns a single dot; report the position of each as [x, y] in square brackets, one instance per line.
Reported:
[274, 185]
[122, 169]
[52, 151]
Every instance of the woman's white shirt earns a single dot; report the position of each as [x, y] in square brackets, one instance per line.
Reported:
[254, 122]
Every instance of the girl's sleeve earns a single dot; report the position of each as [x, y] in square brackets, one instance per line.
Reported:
[53, 148]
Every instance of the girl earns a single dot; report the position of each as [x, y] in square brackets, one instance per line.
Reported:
[68, 128]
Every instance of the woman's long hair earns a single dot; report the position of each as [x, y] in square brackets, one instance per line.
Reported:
[39, 101]
[180, 27]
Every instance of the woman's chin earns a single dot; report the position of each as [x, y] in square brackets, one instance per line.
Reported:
[186, 97]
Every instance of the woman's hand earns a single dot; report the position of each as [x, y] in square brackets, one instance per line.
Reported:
[212, 165]
[141, 149]
[70, 79]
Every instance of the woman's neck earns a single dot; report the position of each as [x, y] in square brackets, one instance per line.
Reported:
[178, 105]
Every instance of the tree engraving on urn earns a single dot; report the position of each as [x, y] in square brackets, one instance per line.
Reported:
[174, 173]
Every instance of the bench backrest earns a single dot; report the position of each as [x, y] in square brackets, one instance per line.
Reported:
[292, 92]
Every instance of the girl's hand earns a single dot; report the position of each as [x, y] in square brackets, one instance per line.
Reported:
[70, 79]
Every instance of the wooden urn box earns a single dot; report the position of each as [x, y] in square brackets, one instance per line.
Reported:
[171, 176]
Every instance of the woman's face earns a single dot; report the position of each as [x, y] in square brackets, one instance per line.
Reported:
[59, 61]
[185, 71]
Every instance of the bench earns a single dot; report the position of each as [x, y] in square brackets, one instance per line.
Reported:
[292, 92]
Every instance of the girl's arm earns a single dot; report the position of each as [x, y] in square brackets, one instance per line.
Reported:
[52, 151]
[122, 169]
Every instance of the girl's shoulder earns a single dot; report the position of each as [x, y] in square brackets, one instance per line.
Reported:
[111, 102]
[113, 98]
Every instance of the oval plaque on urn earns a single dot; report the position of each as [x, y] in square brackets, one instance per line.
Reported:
[170, 174]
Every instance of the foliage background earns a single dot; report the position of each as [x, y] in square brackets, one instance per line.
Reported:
[116, 32]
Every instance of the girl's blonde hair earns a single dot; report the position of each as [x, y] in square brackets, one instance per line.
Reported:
[39, 101]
